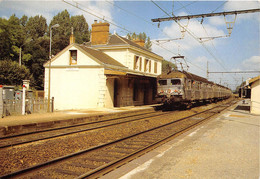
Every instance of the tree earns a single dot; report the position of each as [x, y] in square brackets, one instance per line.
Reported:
[39, 55]
[13, 74]
[32, 35]
[60, 35]
[148, 44]
[23, 20]
[5, 36]
[80, 29]
[36, 27]
[12, 35]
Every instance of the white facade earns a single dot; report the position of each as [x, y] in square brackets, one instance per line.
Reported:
[255, 95]
[92, 82]
[75, 86]
[126, 57]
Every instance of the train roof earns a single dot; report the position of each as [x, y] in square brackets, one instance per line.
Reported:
[182, 74]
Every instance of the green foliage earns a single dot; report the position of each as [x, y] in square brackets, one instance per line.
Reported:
[141, 36]
[13, 74]
[32, 35]
[167, 66]
[36, 27]
[61, 34]
[5, 45]
[80, 28]
[11, 34]
[148, 44]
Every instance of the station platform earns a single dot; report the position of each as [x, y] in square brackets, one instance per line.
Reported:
[224, 147]
[13, 125]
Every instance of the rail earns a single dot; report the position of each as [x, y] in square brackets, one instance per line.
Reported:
[129, 147]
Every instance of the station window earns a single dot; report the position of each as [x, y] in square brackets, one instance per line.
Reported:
[136, 60]
[162, 82]
[150, 66]
[140, 67]
[155, 67]
[146, 65]
[73, 57]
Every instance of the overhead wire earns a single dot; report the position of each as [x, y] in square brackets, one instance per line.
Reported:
[219, 6]
[202, 24]
[194, 36]
[153, 25]
[123, 28]
[102, 18]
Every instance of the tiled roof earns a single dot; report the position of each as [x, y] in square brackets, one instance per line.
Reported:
[114, 40]
[98, 54]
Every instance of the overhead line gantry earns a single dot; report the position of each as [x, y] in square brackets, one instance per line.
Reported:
[176, 18]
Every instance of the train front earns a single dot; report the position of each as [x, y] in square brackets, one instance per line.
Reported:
[170, 91]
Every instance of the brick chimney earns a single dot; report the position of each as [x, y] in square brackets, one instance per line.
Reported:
[72, 37]
[139, 42]
[99, 33]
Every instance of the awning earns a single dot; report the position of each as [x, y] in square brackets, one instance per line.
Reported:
[114, 72]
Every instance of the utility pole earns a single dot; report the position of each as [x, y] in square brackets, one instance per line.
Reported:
[207, 70]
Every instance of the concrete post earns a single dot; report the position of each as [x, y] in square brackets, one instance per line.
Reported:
[26, 86]
[23, 100]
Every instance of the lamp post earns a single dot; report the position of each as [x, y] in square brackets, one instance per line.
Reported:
[20, 54]
[49, 82]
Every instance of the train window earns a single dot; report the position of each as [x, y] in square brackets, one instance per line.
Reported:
[189, 84]
[176, 82]
[162, 82]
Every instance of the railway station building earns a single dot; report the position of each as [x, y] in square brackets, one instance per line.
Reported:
[255, 95]
[109, 71]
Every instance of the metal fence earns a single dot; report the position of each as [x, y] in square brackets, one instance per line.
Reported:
[14, 107]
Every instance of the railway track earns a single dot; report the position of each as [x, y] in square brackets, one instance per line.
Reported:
[26, 138]
[98, 160]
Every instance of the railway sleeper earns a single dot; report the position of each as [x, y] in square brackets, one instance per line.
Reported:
[62, 171]
[96, 159]
[129, 147]
[82, 165]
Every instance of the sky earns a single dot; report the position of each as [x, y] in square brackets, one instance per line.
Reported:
[238, 52]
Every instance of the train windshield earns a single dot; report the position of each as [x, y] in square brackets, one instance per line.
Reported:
[176, 82]
[162, 82]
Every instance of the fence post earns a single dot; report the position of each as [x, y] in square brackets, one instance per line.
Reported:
[1, 102]
[52, 104]
[23, 101]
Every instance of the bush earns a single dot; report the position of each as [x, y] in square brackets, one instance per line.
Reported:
[13, 74]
